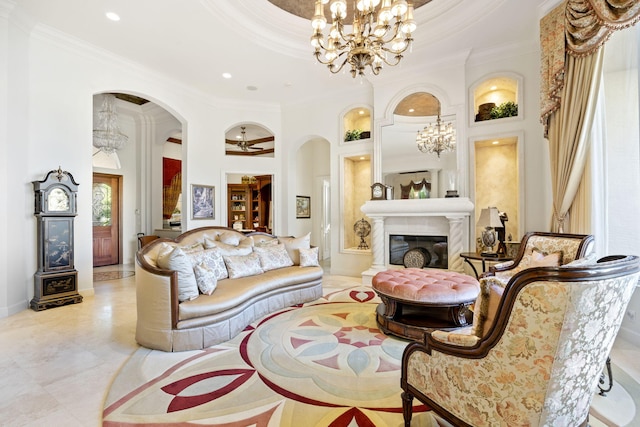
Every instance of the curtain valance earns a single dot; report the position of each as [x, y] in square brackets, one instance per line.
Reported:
[577, 28]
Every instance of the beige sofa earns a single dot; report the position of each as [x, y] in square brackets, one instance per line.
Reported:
[165, 323]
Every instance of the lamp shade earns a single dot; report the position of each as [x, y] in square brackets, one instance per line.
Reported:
[489, 217]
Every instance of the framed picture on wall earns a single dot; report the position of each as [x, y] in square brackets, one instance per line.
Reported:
[202, 199]
[303, 207]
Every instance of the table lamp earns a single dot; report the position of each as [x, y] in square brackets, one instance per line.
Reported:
[489, 220]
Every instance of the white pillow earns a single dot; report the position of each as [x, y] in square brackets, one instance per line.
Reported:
[273, 257]
[232, 238]
[206, 278]
[175, 259]
[293, 245]
[230, 250]
[309, 257]
[213, 259]
[262, 240]
[242, 266]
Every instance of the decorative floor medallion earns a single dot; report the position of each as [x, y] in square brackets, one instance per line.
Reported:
[321, 364]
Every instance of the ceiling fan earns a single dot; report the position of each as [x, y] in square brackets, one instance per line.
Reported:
[245, 145]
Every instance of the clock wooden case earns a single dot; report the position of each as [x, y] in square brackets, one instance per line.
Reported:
[55, 208]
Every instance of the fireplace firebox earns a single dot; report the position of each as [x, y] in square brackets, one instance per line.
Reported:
[433, 248]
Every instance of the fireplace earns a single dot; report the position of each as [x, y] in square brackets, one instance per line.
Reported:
[434, 248]
[438, 217]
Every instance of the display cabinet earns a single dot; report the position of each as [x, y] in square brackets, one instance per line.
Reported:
[249, 204]
[55, 209]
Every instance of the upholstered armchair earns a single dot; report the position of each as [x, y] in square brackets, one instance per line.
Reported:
[538, 362]
[541, 249]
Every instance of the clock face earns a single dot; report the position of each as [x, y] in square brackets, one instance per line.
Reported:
[58, 200]
[377, 191]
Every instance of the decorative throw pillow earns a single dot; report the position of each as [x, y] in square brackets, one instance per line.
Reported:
[242, 266]
[206, 278]
[244, 248]
[261, 240]
[309, 257]
[175, 259]
[272, 257]
[213, 259]
[542, 259]
[232, 238]
[581, 262]
[194, 247]
[485, 309]
[293, 245]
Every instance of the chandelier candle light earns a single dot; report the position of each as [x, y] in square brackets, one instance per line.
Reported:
[375, 34]
[108, 137]
[437, 138]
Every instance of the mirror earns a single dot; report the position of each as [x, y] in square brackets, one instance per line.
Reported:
[247, 139]
[402, 161]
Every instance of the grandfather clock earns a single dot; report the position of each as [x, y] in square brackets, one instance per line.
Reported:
[56, 281]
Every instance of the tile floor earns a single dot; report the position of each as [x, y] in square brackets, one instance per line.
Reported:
[56, 365]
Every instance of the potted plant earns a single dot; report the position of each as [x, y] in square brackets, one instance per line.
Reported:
[506, 109]
[353, 135]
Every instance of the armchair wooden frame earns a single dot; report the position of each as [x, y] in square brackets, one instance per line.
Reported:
[606, 268]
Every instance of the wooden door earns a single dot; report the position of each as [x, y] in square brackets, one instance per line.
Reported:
[106, 203]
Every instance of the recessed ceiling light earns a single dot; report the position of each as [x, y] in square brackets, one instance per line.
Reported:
[493, 87]
[411, 110]
[226, 75]
[252, 88]
[496, 142]
[361, 112]
[112, 16]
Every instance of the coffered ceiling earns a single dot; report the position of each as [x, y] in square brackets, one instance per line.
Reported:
[263, 46]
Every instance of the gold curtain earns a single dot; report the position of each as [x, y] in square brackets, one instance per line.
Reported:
[170, 195]
[567, 107]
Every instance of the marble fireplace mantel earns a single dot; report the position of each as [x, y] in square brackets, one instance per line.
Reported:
[443, 216]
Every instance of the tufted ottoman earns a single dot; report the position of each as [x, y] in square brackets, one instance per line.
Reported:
[416, 300]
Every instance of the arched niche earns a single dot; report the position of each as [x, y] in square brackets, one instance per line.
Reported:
[249, 139]
[401, 161]
[496, 97]
[356, 124]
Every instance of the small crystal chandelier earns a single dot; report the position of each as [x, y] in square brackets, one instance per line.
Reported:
[373, 31]
[108, 137]
[437, 138]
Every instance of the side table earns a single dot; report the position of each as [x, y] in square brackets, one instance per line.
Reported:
[468, 256]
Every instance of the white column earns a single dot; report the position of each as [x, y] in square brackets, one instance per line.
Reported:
[377, 247]
[455, 243]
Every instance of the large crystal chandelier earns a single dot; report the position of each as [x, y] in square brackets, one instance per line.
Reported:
[437, 138]
[375, 36]
[107, 137]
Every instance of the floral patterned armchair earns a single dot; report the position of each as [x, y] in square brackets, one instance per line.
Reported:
[539, 362]
[541, 249]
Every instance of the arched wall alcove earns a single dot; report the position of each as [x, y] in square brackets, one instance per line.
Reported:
[149, 126]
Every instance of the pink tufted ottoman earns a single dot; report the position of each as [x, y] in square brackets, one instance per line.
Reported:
[416, 300]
